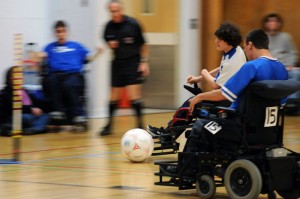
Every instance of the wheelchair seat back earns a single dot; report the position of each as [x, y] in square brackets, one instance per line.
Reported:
[262, 113]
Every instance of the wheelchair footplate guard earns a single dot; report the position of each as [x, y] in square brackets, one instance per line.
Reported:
[176, 174]
[167, 142]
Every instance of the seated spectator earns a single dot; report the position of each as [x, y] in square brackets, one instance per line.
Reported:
[64, 83]
[34, 120]
[283, 48]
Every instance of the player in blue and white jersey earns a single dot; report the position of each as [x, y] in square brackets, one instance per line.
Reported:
[228, 38]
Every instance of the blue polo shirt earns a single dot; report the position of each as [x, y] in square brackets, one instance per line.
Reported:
[263, 68]
[67, 58]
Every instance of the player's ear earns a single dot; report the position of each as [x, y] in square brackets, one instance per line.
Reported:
[250, 45]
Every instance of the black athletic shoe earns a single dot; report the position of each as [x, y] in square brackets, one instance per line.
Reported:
[105, 131]
[5, 130]
[154, 131]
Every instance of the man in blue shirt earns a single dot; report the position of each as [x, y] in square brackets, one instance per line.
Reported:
[65, 60]
[262, 66]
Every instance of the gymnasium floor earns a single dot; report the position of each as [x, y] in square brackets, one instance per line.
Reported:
[86, 166]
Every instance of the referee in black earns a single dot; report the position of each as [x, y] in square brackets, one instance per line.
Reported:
[123, 34]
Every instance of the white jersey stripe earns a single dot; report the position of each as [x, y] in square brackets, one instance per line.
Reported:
[228, 92]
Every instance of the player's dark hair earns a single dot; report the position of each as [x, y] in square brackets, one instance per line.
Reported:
[271, 15]
[8, 79]
[258, 38]
[60, 24]
[115, 1]
[230, 33]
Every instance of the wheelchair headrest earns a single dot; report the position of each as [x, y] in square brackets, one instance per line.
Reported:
[275, 89]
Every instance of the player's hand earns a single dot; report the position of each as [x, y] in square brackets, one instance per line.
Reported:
[193, 101]
[205, 72]
[192, 79]
[99, 50]
[144, 69]
[40, 54]
[36, 111]
[113, 44]
[290, 67]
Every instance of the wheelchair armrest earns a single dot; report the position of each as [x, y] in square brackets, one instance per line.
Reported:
[224, 112]
[225, 109]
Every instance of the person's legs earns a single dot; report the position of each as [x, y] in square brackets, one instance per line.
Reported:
[40, 123]
[133, 81]
[27, 120]
[112, 107]
[54, 91]
[72, 84]
[124, 73]
[135, 96]
[197, 140]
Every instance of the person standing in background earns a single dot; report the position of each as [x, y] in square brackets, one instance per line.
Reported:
[129, 67]
[283, 48]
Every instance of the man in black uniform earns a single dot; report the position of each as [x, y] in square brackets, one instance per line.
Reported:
[123, 35]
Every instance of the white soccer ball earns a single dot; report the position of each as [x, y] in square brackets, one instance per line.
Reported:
[137, 145]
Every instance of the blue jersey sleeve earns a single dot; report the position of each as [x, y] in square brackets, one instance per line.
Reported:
[238, 82]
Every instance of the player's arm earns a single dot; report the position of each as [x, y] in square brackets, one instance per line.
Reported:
[192, 79]
[144, 64]
[41, 54]
[214, 72]
[210, 79]
[144, 51]
[94, 56]
[215, 95]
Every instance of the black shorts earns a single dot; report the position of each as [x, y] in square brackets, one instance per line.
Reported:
[125, 72]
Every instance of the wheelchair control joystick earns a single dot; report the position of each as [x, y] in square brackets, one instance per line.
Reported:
[194, 90]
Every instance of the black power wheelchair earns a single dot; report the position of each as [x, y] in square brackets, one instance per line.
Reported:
[248, 159]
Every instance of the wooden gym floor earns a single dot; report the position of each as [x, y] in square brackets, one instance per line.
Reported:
[86, 166]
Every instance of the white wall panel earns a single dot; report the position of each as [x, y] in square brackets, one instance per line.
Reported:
[28, 17]
[189, 45]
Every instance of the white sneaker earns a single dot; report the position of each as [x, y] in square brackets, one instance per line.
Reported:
[79, 120]
[57, 115]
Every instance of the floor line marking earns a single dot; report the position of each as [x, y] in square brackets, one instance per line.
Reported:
[65, 148]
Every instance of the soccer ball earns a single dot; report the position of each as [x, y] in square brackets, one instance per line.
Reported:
[137, 145]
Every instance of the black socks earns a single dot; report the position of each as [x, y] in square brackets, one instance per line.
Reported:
[137, 105]
[113, 105]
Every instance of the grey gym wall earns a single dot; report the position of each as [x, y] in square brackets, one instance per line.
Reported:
[28, 17]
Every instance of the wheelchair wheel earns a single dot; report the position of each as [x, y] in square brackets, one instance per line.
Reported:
[243, 180]
[206, 187]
